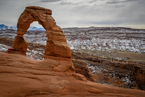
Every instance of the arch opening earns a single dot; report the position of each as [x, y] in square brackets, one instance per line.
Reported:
[36, 39]
[35, 26]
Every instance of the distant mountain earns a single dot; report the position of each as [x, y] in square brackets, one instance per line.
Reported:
[3, 27]
[41, 29]
[13, 27]
[31, 28]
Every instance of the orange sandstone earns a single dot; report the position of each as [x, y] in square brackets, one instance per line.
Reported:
[21, 76]
[56, 44]
[56, 47]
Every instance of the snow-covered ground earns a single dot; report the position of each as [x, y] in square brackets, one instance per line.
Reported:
[104, 75]
[93, 38]
[106, 39]
[3, 47]
[34, 54]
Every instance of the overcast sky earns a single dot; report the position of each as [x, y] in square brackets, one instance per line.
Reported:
[80, 13]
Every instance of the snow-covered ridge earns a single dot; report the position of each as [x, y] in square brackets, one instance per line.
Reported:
[106, 38]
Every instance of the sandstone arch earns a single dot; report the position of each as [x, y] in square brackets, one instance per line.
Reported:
[56, 44]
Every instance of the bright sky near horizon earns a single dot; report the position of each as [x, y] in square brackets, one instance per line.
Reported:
[80, 13]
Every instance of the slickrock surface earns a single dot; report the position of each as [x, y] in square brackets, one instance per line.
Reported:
[21, 76]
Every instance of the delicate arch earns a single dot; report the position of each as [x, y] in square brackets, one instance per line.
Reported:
[56, 44]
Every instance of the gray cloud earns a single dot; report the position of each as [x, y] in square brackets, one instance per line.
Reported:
[124, 14]
[70, 3]
[80, 13]
[49, 0]
[65, 3]
[120, 1]
[92, 1]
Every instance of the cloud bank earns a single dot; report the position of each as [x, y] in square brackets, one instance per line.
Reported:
[81, 13]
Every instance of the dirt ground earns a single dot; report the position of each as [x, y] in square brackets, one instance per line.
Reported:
[128, 56]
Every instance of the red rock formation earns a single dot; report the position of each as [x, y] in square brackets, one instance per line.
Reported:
[56, 47]
[21, 76]
[56, 43]
[81, 68]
